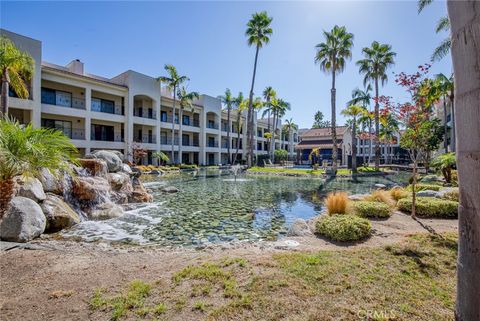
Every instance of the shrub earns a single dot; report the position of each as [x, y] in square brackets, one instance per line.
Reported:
[452, 195]
[280, 155]
[372, 209]
[381, 196]
[185, 166]
[424, 187]
[344, 228]
[398, 193]
[430, 207]
[337, 203]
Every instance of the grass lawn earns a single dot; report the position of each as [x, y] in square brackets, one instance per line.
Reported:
[413, 280]
[307, 172]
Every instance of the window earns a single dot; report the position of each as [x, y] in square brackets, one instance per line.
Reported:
[103, 106]
[163, 116]
[48, 96]
[61, 125]
[185, 140]
[186, 120]
[102, 132]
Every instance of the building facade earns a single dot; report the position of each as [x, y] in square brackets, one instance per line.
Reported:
[131, 111]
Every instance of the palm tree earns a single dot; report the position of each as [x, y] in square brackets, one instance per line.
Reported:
[331, 56]
[279, 108]
[16, 70]
[443, 24]
[378, 58]
[24, 150]
[388, 130]
[268, 94]
[354, 111]
[186, 101]
[240, 104]
[446, 87]
[161, 157]
[173, 82]
[290, 126]
[258, 34]
[446, 163]
[228, 100]
[465, 20]
[367, 118]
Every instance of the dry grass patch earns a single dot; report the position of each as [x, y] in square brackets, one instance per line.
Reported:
[381, 196]
[337, 203]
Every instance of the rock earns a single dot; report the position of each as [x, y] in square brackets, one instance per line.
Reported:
[114, 162]
[380, 186]
[136, 172]
[427, 193]
[59, 214]
[299, 228]
[106, 211]
[23, 221]
[51, 183]
[431, 178]
[154, 172]
[119, 154]
[29, 187]
[95, 167]
[441, 193]
[90, 188]
[138, 196]
[170, 189]
[357, 197]
[118, 180]
[126, 169]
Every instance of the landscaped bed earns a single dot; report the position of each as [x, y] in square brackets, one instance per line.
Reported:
[281, 171]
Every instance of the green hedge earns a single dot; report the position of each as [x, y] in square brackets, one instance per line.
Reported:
[372, 209]
[452, 195]
[424, 187]
[430, 207]
[343, 227]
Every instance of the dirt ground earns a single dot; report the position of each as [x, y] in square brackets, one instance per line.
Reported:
[54, 280]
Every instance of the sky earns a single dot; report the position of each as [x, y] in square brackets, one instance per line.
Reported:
[206, 41]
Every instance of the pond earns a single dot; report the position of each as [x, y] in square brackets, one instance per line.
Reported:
[211, 207]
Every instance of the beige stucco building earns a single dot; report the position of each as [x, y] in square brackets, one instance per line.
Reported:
[129, 111]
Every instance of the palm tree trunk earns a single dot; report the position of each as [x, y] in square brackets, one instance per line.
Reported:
[445, 127]
[6, 194]
[465, 28]
[273, 135]
[454, 134]
[180, 133]
[250, 114]
[173, 125]
[5, 90]
[238, 136]
[369, 141]
[228, 135]
[334, 122]
[354, 145]
[377, 128]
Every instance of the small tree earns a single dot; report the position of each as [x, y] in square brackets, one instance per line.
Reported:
[319, 122]
[161, 157]
[281, 155]
[445, 163]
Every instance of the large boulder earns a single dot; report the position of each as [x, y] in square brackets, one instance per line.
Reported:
[90, 188]
[118, 181]
[106, 211]
[427, 193]
[170, 189]
[114, 162]
[94, 167]
[23, 221]
[29, 187]
[299, 228]
[51, 182]
[59, 214]
[140, 193]
[126, 169]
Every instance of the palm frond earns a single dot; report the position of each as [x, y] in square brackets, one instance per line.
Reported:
[442, 50]
[443, 25]
[422, 4]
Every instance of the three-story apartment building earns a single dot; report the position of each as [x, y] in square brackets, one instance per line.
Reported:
[130, 111]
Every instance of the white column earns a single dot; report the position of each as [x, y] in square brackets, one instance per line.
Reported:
[128, 129]
[202, 137]
[157, 108]
[88, 121]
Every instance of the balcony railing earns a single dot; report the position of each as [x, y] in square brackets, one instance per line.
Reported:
[115, 138]
[144, 113]
[225, 144]
[168, 141]
[194, 143]
[225, 127]
[116, 110]
[73, 102]
[212, 144]
[72, 133]
[147, 139]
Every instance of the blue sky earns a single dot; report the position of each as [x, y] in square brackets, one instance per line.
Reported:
[206, 41]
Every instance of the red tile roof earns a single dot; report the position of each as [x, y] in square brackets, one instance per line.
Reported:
[323, 132]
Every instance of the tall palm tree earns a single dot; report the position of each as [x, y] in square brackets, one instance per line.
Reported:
[279, 108]
[290, 126]
[378, 58]
[354, 111]
[331, 56]
[185, 100]
[446, 87]
[228, 100]
[363, 98]
[465, 20]
[258, 34]
[268, 94]
[173, 82]
[241, 105]
[368, 118]
[24, 150]
[16, 70]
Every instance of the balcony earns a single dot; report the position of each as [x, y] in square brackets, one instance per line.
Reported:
[72, 133]
[108, 107]
[225, 144]
[147, 139]
[67, 102]
[150, 114]
[107, 138]
[168, 140]
[194, 143]
[212, 125]
[225, 128]
[212, 144]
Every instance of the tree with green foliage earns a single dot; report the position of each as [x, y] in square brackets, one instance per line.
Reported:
[446, 88]
[228, 101]
[185, 100]
[268, 94]
[24, 150]
[378, 58]
[279, 108]
[331, 55]
[290, 126]
[16, 71]
[258, 34]
[173, 82]
[354, 111]
[445, 163]
[161, 157]
[240, 105]
[443, 24]
[319, 122]
[281, 155]
[389, 127]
